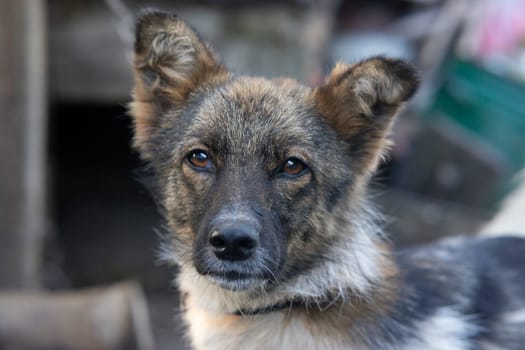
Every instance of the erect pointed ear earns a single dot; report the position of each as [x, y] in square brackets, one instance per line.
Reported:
[171, 61]
[360, 102]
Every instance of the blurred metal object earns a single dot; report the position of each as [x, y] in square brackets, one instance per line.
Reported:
[109, 318]
[23, 139]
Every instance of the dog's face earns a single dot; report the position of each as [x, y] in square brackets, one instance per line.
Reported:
[248, 157]
[252, 172]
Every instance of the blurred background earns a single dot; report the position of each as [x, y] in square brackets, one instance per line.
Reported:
[78, 241]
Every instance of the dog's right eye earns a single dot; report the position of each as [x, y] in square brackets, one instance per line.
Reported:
[292, 167]
[199, 159]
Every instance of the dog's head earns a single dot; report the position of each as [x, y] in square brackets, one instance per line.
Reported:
[257, 178]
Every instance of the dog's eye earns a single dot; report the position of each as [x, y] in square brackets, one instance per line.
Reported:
[293, 166]
[199, 159]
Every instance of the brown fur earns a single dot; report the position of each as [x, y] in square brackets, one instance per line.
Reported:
[361, 99]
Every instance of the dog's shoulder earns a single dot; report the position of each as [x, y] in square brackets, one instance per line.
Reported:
[481, 281]
[470, 261]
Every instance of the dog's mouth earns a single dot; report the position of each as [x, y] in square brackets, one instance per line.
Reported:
[235, 281]
[245, 275]
[239, 284]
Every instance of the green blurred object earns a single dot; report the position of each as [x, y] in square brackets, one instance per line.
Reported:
[490, 107]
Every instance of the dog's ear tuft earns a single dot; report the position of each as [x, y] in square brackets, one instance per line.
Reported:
[171, 61]
[360, 102]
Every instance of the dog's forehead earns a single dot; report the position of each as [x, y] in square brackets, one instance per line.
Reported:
[250, 113]
[258, 102]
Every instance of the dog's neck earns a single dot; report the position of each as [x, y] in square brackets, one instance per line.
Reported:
[333, 322]
[268, 309]
[294, 303]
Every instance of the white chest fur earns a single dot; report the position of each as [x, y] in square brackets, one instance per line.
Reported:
[273, 331]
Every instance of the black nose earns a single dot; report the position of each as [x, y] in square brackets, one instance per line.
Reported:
[234, 240]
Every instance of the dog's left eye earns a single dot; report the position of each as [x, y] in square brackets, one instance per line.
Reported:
[293, 166]
[199, 159]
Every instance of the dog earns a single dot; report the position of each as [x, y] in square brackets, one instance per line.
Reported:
[263, 187]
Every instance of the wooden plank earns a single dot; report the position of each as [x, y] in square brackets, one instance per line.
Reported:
[114, 317]
[22, 140]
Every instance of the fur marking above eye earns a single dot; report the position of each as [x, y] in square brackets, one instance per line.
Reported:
[293, 166]
[199, 160]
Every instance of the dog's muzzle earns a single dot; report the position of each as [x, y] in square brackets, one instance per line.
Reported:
[237, 251]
